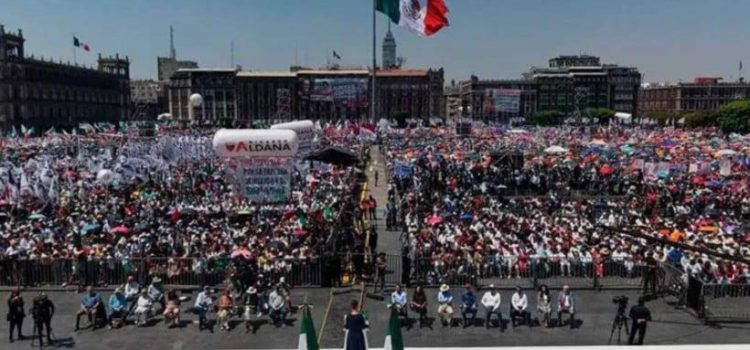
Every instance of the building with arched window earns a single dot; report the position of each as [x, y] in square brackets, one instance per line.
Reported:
[42, 93]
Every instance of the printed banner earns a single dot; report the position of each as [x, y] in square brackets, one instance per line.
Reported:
[348, 92]
[502, 101]
[266, 180]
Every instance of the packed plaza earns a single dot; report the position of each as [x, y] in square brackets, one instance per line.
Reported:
[146, 217]
[470, 208]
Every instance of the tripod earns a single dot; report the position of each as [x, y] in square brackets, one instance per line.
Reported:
[619, 321]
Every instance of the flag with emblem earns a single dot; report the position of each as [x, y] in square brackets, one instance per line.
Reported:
[393, 338]
[307, 338]
[424, 17]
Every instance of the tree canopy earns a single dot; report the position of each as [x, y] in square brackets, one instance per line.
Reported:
[734, 117]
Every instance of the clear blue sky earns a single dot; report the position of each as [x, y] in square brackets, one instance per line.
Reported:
[668, 40]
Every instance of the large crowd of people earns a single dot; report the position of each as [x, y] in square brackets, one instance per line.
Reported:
[93, 209]
[501, 201]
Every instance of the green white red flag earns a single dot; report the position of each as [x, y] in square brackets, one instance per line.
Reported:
[393, 338]
[307, 338]
[424, 18]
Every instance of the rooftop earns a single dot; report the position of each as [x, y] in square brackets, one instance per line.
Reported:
[266, 74]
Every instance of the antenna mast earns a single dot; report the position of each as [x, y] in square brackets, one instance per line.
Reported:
[231, 53]
[172, 52]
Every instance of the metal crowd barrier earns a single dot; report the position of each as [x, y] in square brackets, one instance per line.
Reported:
[510, 271]
[108, 272]
[725, 302]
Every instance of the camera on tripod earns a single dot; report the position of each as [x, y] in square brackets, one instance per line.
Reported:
[620, 299]
[620, 320]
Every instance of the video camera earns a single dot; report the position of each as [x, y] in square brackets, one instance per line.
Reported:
[622, 303]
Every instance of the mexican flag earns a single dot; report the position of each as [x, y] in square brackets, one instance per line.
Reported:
[423, 20]
[393, 339]
[307, 338]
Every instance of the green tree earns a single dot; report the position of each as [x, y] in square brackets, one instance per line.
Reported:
[734, 116]
[700, 119]
[603, 115]
[547, 118]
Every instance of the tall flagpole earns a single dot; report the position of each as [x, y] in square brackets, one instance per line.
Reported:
[75, 61]
[374, 64]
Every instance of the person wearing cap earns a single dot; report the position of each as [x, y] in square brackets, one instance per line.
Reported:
[491, 301]
[156, 292]
[117, 305]
[91, 302]
[250, 303]
[16, 313]
[203, 303]
[278, 307]
[518, 305]
[565, 304]
[42, 311]
[445, 308]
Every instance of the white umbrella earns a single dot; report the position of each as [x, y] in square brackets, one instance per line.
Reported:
[555, 150]
[598, 142]
[517, 131]
[623, 115]
[726, 152]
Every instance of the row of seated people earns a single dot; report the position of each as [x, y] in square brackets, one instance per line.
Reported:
[491, 302]
[251, 305]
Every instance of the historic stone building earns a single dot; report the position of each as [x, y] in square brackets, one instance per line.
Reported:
[218, 89]
[148, 99]
[702, 95]
[567, 84]
[307, 93]
[42, 93]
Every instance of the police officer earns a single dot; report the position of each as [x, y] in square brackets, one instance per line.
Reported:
[16, 313]
[640, 315]
[42, 311]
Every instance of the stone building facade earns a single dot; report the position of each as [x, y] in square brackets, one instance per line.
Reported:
[567, 84]
[41, 93]
[252, 96]
[702, 95]
[218, 89]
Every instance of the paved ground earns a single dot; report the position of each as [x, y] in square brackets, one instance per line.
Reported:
[595, 314]
[388, 241]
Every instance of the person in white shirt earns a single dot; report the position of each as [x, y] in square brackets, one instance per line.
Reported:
[399, 300]
[143, 308]
[278, 309]
[564, 262]
[131, 290]
[203, 303]
[491, 301]
[565, 303]
[518, 304]
[544, 304]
